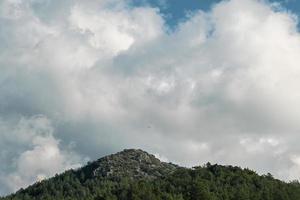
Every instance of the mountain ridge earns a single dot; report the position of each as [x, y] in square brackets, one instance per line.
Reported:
[137, 175]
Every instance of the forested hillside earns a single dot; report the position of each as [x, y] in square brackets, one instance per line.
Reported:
[135, 174]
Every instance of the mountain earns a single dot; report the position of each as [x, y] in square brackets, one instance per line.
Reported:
[135, 164]
[136, 175]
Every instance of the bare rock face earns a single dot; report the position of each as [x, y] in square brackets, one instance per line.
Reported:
[131, 163]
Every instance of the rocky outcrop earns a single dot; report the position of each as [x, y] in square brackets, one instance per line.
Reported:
[131, 163]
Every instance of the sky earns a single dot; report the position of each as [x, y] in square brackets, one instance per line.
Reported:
[189, 81]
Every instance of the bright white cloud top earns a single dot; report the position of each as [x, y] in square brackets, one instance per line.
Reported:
[81, 79]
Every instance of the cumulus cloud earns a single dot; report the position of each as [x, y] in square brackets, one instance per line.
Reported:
[107, 75]
[30, 153]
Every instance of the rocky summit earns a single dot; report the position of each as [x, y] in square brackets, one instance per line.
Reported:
[131, 163]
[136, 175]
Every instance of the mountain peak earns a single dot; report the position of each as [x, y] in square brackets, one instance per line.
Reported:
[135, 174]
[131, 163]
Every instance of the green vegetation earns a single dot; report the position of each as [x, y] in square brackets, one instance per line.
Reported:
[210, 182]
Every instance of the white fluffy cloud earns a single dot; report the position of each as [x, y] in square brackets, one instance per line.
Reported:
[31, 153]
[222, 87]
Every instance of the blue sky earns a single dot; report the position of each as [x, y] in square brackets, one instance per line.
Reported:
[175, 10]
[293, 5]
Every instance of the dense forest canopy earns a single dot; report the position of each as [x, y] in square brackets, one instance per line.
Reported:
[119, 177]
